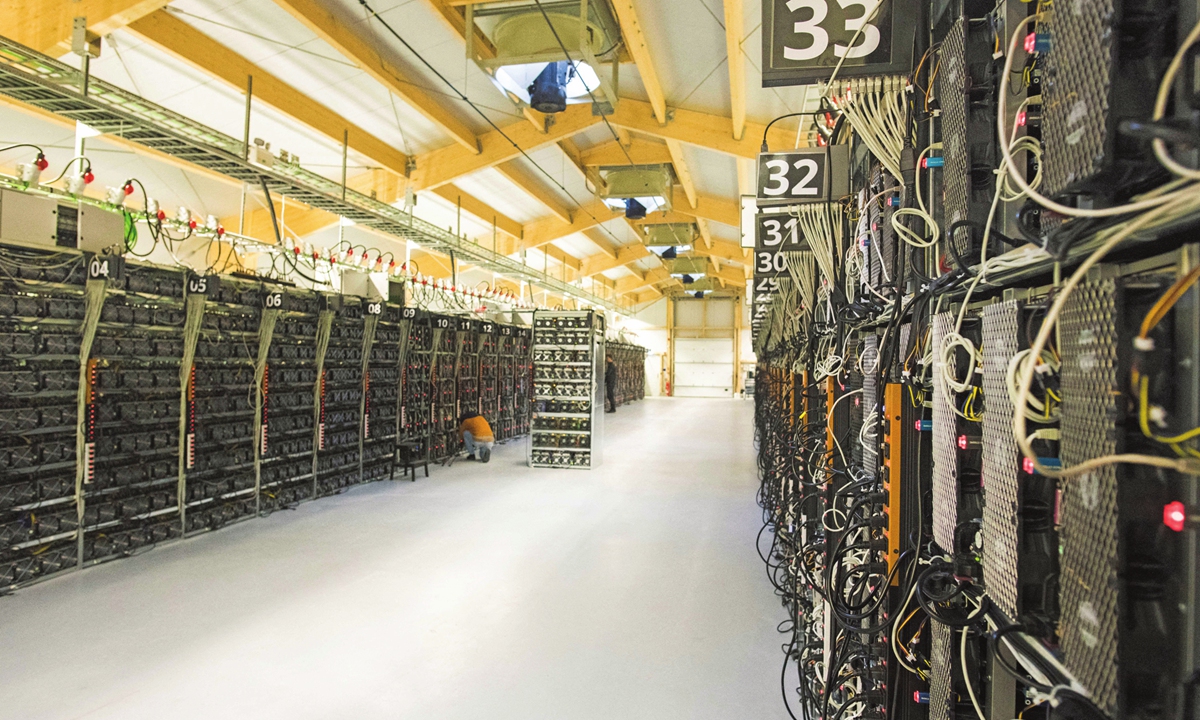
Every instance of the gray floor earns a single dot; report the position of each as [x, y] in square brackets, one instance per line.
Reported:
[632, 591]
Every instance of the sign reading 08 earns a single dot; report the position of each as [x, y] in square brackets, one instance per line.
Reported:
[774, 235]
[803, 40]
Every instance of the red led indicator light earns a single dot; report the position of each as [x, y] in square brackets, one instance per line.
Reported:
[963, 442]
[1174, 516]
[1022, 117]
[1027, 465]
[1030, 42]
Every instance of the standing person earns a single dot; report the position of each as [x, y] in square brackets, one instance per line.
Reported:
[476, 433]
[610, 383]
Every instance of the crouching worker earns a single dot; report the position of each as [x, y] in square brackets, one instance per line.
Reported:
[476, 433]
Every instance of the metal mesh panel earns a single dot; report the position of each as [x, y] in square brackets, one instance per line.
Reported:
[952, 91]
[941, 657]
[945, 456]
[870, 361]
[1000, 532]
[1075, 94]
[1089, 584]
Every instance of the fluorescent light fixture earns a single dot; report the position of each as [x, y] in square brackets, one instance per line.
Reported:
[516, 79]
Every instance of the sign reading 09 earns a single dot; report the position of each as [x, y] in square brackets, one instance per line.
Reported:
[803, 40]
[774, 235]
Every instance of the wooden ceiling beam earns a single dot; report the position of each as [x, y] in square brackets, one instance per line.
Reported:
[602, 240]
[447, 164]
[715, 209]
[712, 132]
[641, 152]
[47, 26]
[681, 170]
[635, 40]
[705, 233]
[533, 186]
[596, 264]
[549, 229]
[480, 210]
[734, 32]
[346, 40]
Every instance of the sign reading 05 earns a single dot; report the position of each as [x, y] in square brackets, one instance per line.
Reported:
[804, 40]
[774, 235]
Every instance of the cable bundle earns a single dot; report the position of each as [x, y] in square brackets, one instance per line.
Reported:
[877, 110]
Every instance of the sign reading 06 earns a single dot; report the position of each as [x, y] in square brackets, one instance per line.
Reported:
[804, 40]
[775, 234]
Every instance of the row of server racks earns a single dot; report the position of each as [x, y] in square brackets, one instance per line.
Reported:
[630, 360]
[889, 495]
[140, 404]
[929, 567]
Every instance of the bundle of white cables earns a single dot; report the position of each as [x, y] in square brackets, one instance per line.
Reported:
[821, 226]
[875, 108]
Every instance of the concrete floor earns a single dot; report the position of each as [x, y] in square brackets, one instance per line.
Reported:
[487, 591]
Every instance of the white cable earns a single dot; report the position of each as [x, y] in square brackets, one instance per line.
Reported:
[1160, 106]
[962, 659]
[1034, 409]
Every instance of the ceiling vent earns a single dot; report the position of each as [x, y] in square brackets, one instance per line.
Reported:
[514, 44]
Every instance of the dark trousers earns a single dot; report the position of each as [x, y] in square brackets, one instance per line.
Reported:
[611, 393]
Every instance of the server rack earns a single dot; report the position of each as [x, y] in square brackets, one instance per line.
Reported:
[43, 303]
[568, 389]
[219, 453]
[288, 405]
[416, 409]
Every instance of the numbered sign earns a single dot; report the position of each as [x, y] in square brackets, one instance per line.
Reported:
[765, 289]
[803, 40]
[202, 285]
[373, 307]
[803, 176]
[488, 328]
[464, 324]
[441, 322]
[800, 176]
[775, 234]
[272, 300]
[408, 313]
[506, 331]
[105, 267]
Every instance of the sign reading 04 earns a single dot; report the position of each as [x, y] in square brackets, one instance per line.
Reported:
[804, 40]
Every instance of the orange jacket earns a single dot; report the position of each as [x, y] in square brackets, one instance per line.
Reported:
[478, 427]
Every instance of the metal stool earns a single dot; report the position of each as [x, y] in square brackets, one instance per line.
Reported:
[409, 457]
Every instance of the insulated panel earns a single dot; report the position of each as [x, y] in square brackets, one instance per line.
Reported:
[1090, 597]
[945, 457]
[1000, 458]
[941, 658]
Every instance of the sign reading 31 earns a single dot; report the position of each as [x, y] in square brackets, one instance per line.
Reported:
[774, 235]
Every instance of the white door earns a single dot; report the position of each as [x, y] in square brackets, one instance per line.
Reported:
[704, 367]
